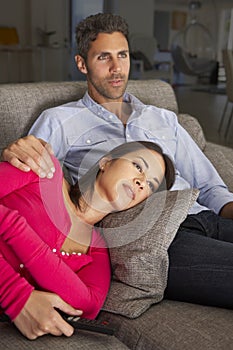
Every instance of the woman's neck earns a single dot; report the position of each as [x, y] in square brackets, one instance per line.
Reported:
[92, 213]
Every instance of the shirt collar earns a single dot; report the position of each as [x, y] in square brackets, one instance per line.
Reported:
[99, 110]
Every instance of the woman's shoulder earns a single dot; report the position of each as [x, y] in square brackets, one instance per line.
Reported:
[98, 240]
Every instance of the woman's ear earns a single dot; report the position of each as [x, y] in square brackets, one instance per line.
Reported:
[104, 162]
[80, 62]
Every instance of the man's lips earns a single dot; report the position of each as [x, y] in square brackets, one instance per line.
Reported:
[129, 191]
[116, 81]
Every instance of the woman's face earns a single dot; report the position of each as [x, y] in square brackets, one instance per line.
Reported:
[127, 181]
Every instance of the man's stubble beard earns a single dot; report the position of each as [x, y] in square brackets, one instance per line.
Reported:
[103, 87]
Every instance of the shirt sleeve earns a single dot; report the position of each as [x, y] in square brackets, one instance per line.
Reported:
[196, 168]
[48, 127]
[85, 290]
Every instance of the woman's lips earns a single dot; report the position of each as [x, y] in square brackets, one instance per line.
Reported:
[129, 191]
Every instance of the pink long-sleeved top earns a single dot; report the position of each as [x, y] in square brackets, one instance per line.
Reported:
[33, 226]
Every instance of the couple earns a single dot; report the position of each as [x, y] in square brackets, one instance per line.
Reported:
[81, 132]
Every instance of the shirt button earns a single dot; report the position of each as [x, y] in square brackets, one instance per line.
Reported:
[54, 250]
[21, 266]
[88, 141]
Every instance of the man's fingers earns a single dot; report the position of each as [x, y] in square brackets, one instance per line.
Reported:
[18, 164]
[30, 153]
[47, 146]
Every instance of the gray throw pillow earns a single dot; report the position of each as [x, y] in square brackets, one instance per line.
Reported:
[138, 240]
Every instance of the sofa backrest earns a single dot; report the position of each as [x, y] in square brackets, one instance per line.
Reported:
[21, 104]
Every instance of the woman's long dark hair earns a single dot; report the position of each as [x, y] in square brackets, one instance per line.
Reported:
[84, 187]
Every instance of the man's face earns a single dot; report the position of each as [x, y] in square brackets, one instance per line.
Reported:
[107, 67]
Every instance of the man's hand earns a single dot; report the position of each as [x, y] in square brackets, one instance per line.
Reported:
[38, 316]
[30, 153]
[227, 211]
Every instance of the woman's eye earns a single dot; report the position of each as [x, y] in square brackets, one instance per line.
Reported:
[138, 167]
[151, 186]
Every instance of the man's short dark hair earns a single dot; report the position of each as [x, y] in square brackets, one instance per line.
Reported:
[88, 29]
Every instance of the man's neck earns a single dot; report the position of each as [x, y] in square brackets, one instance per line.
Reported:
[122, 110]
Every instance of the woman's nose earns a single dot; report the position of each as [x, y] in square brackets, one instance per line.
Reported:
[140, 182]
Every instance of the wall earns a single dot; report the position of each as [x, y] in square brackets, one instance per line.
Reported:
[13, 13]
[138, 15]
[38, 56]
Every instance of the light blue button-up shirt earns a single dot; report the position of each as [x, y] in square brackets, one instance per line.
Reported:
[81, 132]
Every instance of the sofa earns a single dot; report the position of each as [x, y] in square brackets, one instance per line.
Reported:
[167, 325]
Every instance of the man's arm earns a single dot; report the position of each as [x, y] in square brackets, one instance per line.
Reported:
[196, 168]
[30, 153]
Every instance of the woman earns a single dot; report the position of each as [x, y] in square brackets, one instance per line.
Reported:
[47, 239]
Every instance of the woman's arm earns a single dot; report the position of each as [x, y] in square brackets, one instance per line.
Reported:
[12, 179]
[85, 290]
[39, 317]
[14, 289]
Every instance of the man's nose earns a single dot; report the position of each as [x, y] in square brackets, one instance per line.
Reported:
[115, 66]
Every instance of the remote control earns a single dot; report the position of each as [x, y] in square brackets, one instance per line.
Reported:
[88, 325]
[4, 318]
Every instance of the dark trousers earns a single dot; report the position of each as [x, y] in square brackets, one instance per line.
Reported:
[201, 261]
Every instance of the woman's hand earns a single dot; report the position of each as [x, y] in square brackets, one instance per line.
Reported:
[38, 316]
[30, 153]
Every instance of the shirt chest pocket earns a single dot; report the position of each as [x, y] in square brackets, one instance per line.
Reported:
[84, 151]
[86, 140]
[165, 138]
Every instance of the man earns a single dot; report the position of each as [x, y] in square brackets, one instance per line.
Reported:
[81, 131]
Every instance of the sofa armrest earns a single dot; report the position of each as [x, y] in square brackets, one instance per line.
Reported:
[193, 127]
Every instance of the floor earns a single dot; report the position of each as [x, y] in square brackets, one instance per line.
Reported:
[207, 103]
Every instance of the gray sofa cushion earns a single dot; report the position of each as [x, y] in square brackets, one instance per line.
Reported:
[11, 338]
[192, 126]
[222, 159]
[175, 325]
[158, 94]
[21, 104]
[138, 240]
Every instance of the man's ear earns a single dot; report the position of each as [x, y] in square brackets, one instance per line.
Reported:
[80, 62]
[104, 162]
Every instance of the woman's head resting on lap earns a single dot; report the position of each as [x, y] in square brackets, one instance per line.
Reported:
[124, 177]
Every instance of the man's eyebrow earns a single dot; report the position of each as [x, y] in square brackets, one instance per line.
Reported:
[109, 53]
[124, 51]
